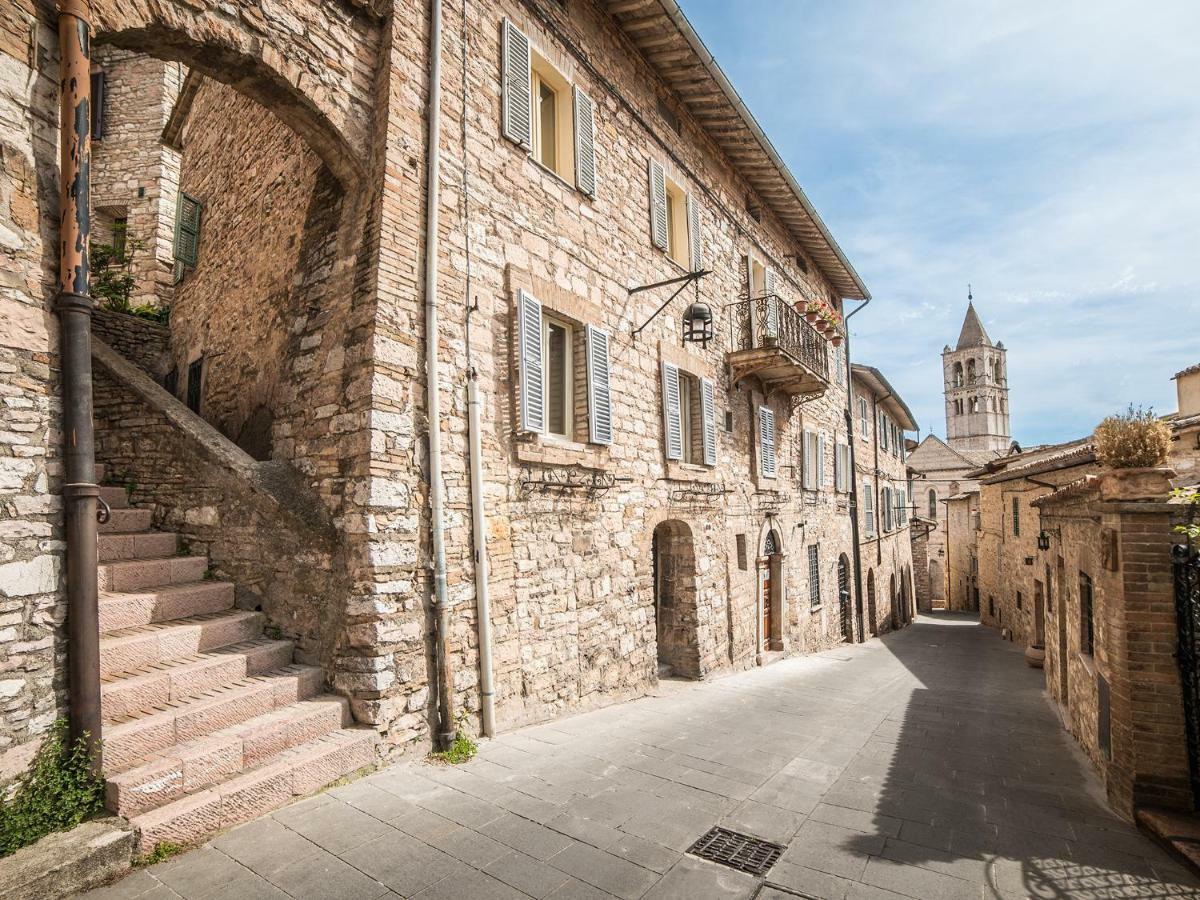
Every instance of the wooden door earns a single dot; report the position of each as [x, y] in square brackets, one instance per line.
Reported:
[766, 607]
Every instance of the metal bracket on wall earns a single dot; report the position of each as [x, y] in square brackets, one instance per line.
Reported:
[566, 479]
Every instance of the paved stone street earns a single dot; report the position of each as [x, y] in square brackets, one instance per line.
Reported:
[924, 765]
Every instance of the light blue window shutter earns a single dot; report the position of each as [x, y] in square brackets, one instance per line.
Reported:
[806, 460]
[772, 323]
[839, 471]
[529, 357]
[599, 393]
[516, 95]
[708, 413]
[766, 441]
[868, 507]
[693, 219]
[585, 147]
[820, 462]
[658, 205]
[672, 421]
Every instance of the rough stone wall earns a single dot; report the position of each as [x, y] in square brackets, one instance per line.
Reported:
[253, 307]
[961, 549]
[1125, 548]
[571, 585]
[141, 341]
[134, 174]
[920, 568]
[31, 608]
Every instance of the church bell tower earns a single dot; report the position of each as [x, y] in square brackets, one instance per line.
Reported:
[975, 375]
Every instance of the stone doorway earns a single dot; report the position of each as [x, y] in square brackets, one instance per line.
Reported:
[871, 624]
[675, 617]
[843, 583]
[770, 594]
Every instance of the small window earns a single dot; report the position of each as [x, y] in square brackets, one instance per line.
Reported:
[863, 418]
[741, 552]
[868, 508]
[992, 607]
[1087, 621]
[559, 351]
[677, 224]
[1020, 601]
[171, 381]
[814, 575]
[668, 115]
[689, 417]
[99, 90]
[194, 385]
[1016, 516]
[553, 131]
[729, 421]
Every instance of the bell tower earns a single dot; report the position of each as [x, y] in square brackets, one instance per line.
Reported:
[975, 377]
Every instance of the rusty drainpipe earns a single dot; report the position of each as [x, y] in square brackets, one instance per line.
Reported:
[80, 492]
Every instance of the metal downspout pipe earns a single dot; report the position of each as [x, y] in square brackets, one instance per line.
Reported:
[441, 604]
[859, 606]
[74, 307]
[487, 692]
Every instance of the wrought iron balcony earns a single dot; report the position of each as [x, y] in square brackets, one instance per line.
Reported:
[771, 341]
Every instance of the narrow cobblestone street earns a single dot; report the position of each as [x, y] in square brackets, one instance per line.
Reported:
[928, 764]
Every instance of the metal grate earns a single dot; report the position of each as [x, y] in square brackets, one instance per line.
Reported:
[738, 851]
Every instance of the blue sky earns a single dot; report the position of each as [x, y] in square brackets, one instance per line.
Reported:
[1046, 152]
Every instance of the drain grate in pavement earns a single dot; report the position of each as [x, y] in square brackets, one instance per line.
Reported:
[743, 852]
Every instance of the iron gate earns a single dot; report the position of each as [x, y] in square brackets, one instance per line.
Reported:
[1187, 609]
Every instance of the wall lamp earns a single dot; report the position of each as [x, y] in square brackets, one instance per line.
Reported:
[697, 318]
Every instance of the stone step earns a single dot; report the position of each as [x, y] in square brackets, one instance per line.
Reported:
[131, 649]
[129, 742]
[133, 574]
[127, 520]
[190, 676]
[115, 496]
[115, 547]
[293, 773]
[194, 765]
[174, 601]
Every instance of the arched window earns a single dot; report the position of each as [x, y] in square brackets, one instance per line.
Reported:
[932, 503]
[958, 374]
[970, 371]
[974, 404]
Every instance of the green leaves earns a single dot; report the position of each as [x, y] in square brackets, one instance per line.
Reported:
[462, 750]
[56, 793]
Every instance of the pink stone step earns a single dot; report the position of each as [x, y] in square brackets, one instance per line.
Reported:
[116, 497]
[131, 649]
[138, 545]
[126, 520]
[142, 573]
[129, 742]
[195, 765]
[175, 601]
[294, 773]
[190, 676]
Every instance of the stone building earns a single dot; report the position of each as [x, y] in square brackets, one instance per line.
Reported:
[975, 389]
[884, 511]
[287, 495]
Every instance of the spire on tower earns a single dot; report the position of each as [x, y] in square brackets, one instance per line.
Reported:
[972, 334]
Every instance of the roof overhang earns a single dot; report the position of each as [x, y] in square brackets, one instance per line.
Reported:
[878, 383]
[665, 38]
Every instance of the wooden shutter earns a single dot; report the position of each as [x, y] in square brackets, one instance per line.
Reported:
[708, 418]
[772, 324]
[516, 94]
[868, 507]
[839, 468]
[766, 441]
[529, 359]
[585, 147]
[806, 464]
[599, 396]
[693, 220]
[187, 230]
[658, 205]
[672, 421]
[820, 467]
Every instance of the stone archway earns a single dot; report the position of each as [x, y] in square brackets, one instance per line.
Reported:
[872, 624]
[675, 611]
[770, 592]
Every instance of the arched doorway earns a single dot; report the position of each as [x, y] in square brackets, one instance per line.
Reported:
[674, 562]
[770, 593]
[871, 623]
[843, 583]
[894, 601]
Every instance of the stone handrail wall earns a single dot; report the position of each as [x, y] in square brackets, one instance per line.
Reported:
[139, 340]
[259, 524]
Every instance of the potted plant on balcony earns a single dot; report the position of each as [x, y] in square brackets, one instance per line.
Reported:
[1133, 446]
[812, 312]
[836, 339]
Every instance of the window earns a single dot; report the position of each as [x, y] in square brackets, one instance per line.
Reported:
[194, 385]
[120, 233]
[99, 85]
[933, 501]
[970, 371]
[674, 219]
[864, 430]
[552, 396]
[902, 508]
[689, 417]
[729, 421]
[882, 428]
[841, 468]
[558, 341]
[992, 607]
[813, 461]
[958, 375]
[187, 231]
[1016, 516]
[766, 442]
[171, 381]
[1020, 600]
[1087, 622]
[741, 552]
[814, 576]
[868, 508]
[544, 114]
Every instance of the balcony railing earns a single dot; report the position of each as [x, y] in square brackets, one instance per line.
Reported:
[769, 336]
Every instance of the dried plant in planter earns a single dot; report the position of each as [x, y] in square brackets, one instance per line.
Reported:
[1135, 439]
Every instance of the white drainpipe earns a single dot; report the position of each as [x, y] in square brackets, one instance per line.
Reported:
[479, 530]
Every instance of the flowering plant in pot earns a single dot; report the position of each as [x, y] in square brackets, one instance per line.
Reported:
[1134, 445]
[812, 312]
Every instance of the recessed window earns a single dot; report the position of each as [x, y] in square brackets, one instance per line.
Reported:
[195, 390]
[558, 351]
[1016, 517]
[553, 131]
[729, 421]
[677, 224]
[668, 115]
[741, 552]
[1087, 620]
[814, 575]
[689, 412]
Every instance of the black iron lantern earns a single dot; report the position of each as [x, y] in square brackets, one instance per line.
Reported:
[698, 324]
[1043, 540]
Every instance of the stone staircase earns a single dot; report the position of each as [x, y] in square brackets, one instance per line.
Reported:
[207, 721]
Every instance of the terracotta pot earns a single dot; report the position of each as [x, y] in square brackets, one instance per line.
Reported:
[836, 340]
[810, 316]
[1035, 656]
[1136, 484]
[820, 325]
